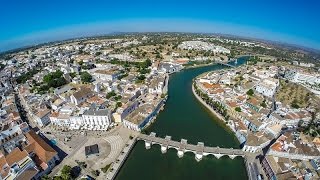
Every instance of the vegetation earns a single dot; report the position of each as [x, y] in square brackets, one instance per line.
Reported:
[122, 76]
[250, 92]
[110, 94]
[26, 76]
[263, 104]
[296, 96]
[119, 104]
[253, 60]
[238, 109]
[2, 66]
[117, 98]
[85, 77]
[105, 169]
[73, 74]
[144, 71]
[95, 172]
[54, 79]
[140, 78]
[67, 173]
[294, 104]
[217, 106]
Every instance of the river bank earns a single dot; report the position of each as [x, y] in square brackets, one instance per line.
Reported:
[219, 116]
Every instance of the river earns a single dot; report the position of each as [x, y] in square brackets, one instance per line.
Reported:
[184, 117]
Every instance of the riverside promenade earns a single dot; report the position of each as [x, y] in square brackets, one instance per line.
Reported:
[116, 165]
[207, 106]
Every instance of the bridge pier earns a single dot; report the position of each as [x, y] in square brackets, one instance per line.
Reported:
[199, 157]
[199, 152]
[182, 148]
[180, 153]
[163, 149]
[232, 156]
[218, 156]
[164, 146]
[147, 144]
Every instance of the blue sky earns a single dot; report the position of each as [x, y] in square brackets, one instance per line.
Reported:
[27, 22]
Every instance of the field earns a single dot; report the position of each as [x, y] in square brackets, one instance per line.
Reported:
[295, 95]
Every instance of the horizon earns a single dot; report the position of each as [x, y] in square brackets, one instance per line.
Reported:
[272, 21]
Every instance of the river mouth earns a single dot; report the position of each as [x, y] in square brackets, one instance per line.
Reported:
[184, 117]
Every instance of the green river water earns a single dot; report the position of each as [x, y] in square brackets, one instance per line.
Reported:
[184, 117]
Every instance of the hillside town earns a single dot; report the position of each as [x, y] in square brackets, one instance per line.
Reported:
[65, 104]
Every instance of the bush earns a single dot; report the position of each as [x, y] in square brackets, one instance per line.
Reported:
[238, 109]
[105, 169]
[95, 172]
[250, 92]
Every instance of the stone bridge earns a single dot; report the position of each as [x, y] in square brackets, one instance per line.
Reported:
[199, 150]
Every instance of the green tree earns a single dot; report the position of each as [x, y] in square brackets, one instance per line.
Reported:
[110, 94]
[73, 74]
[66, 172]
[85, 77]
[238, 109]
[80, 63]
[119, 104]
[250, 92]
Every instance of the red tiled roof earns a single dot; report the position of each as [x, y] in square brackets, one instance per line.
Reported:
[39, 147]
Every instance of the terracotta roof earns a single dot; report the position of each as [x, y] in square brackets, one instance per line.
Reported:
[54, 114]
[15, 156]
[232, 103]
[39, 147]
[3, 163]
[277, 146]
[241, 98]
[27, 174]
[208, 85]
[15, 115]
[253, 101]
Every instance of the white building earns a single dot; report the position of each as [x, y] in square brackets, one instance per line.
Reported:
[267, 87]
[156, 85]
[256, 142]
[301, 77]
[81, 96]
[96, 119]
[106, 75]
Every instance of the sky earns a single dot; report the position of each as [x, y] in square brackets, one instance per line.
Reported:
[27, 22]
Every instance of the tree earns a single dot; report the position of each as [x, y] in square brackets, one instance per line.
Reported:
[46, 177]
[98, 53]
[141, 77]
[238, 109]
[73, 74]
[250, 92]
[294, 104]
[85, 77]
[263, 104]
[95, 172]
[119, 104]
[117, 97]
[80, 63]
[110, 94]
[66, 172]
